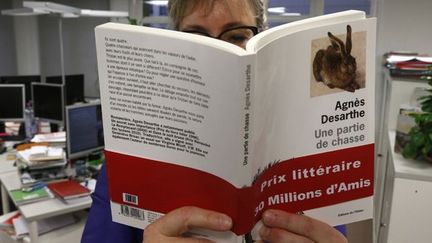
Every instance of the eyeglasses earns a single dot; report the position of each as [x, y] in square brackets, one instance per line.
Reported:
[238, 35]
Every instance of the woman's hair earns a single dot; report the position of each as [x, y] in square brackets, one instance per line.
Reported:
[178, 9]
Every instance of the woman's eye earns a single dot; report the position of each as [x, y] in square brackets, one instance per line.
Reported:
[237, 39]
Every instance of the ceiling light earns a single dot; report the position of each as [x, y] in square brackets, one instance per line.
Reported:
[102, 13]
[157, 3]
[65, 11]
[51, 7]
[23, 12]
[291, 14]
[276, 10]
[281, 11]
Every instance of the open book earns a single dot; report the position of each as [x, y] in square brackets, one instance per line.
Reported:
[287, 123]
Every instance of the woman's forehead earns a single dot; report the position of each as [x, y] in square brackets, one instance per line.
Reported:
[237, 10]
[218, 7]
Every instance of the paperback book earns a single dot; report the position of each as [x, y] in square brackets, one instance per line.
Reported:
[21, 197]
[286, 123]
[70, 191]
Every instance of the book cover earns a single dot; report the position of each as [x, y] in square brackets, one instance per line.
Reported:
[287, 123]
[6, 222]
[6, 219]
[20, 197]
[69, 189]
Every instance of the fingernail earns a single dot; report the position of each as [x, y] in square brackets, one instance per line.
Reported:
[269, 216]
[226, 222]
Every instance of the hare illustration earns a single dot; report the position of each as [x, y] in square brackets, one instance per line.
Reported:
[335, 66]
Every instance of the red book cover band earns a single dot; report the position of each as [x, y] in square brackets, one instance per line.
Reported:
[295, 185]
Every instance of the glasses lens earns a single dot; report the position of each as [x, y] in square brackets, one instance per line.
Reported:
[237, 36]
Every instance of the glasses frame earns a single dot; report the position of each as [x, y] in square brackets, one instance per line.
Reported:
[254, 30]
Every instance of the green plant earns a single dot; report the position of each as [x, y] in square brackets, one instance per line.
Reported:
[419, 145]
[133, 21]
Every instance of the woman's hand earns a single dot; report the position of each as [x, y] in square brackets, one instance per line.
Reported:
[280, 226]
[172, 226]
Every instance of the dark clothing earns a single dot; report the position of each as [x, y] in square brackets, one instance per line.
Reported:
[99, 226]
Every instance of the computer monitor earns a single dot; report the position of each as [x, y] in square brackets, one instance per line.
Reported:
[74, 87]
[12, 102]
[84, 130]
[27, 80]
[48, 102]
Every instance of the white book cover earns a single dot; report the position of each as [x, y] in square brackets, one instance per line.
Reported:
[287, 123]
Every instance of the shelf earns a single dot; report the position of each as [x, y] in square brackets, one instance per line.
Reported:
[408, 168]
[69, 234]
[43, 209]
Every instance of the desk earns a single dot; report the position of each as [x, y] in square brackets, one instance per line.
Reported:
[6, 166]
[407, 210]
[38, 210]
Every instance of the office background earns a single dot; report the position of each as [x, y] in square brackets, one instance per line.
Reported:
[31, 45]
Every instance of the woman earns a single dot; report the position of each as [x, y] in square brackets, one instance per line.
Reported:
[235, 22]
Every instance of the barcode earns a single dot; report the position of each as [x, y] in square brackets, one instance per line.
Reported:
[129, 198]
[129, 211]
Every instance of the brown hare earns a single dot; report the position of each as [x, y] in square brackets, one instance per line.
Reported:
[335, 66]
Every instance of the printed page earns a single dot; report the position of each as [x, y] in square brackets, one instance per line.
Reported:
[174, 114]
[262, 39]
[314, 123]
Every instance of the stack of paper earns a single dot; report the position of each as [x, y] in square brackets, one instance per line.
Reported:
[409, 65]
[54, 139]
[42, 156]
[43, 153]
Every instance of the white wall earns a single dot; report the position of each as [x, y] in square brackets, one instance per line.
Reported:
[7, 42]
[405, 25]
[31, 45]
[402, 25]
[27, 41]
[78, 44]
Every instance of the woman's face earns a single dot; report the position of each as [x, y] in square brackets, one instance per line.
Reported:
[221, 16]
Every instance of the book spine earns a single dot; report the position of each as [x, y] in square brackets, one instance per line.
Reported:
[248, 76]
